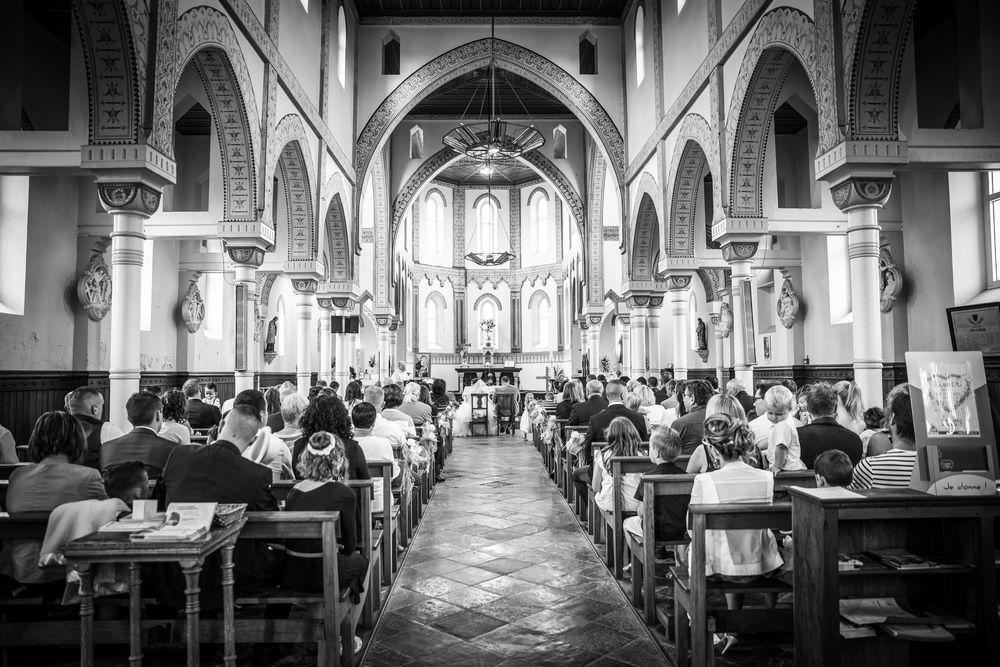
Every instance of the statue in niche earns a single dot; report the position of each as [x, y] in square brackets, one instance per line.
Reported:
[94, 286]
[701, 333]
[272, 334]
[193, 307]
[725, 319]
[890, 280]
[621, 351]
[788, 304]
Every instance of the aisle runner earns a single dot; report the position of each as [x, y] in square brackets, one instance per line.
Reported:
[500, 570]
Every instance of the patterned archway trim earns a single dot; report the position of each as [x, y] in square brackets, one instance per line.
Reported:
[382, 268]
[298, 201]
[594, 234]
[543, 191]
[205, 36]
[876, 61]
[431, 191]
[474, 55]
[697, 147]
[487, 297]
[645, 245]
[289, 129]
[487, 195]
[435, 163]
[338, 242]
[109, 34]
[335, 187]
[715, 281]
[646, 185]
[781, 34]
[265, 281]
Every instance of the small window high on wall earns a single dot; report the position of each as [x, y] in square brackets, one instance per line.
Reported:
[390, 54]
[341, 47]
[13, 242]
[993, 229]
[588, 53]
[559, 142]
[416, 143]
[640, 45]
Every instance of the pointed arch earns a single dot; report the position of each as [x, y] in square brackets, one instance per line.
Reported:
[647, 186]
[487, 297]
[646, 241]
[338, 242]
[696, 150]
[782, 35]
[474, 55]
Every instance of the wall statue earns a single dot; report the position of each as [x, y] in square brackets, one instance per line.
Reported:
[193, 306]
[701, 334]
[890, 280]
[94, 286]
[270, 340]
[788, 304]
[725, 319]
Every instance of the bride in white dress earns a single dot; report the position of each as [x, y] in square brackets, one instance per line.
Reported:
[463, 416]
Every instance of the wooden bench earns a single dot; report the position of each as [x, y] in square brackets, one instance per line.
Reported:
[692, 587]
[7, 469]
[22, 454]
[567, 463]
[643, 558]
[331, 624]
[614, 520]
[381, 472]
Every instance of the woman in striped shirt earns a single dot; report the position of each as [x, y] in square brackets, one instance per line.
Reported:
[894, 468]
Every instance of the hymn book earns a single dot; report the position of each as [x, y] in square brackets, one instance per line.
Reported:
[184, 522]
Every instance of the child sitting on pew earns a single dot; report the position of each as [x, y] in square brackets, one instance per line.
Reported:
[623, 440]
[664, 448]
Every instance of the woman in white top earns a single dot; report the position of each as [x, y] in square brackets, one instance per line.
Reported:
[735, 555]
[175, 426]
[623, 440]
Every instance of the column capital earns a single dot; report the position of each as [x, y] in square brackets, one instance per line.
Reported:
[640, 300]
[860, 156]
[624, 319]
[129, 162]
[134, 197]
[303, 285]
[247, 234]
[678, 282]
[861, 192]
[739, 251]
[245, 255]
[324, 303]
[734, 229]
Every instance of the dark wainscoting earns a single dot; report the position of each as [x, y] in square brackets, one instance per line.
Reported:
[25, 395]
[275, 379]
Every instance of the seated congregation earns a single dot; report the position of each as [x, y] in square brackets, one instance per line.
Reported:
[691, 492]
[330, 489]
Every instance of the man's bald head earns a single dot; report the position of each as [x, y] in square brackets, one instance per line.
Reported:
[614, 391]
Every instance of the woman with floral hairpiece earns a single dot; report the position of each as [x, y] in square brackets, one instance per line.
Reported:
[322, 467]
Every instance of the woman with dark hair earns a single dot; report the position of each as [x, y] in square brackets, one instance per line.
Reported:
[623, 440]
[272, 397]
[440, 398]
[425, 397]
[353, 394]
[175, 426]
[56, 444]
[322, 468]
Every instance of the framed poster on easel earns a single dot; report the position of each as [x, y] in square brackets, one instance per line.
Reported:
[952, 424]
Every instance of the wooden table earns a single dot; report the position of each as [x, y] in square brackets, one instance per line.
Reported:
[190, 555]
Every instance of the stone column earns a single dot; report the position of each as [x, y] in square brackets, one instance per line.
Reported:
[861, 198]
[415, 322]
[624, 332]
[720, 343]
[516, 340]
[326, 351]
[653, 341]
[592, 336]
[350, 354]
[342, 371]
[245, 259]
[305, 293]
[560, 316]
[460, 338]
[679, 295]
[640, 355]
[129, 204]
[384, 341]
[394, 355]
[739, 255]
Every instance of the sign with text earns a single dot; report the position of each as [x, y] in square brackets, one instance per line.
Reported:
[975, 328]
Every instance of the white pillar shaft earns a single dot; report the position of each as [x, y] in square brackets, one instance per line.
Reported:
[653, 341]
[743, 371]
[679, 319]
[382, 360]
[720, 363]
[324, 347]
[342, 373]
[593, 343]
[863, 251]
[639, 349]
[625, 333]
[350, 359]
[126, 296]
[246, 275]
[303, 347]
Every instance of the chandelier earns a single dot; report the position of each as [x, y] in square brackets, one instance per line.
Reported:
[494, 139]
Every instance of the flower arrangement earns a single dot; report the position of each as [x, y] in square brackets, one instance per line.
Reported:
[488, 325]
[605, 364]
[371, 362]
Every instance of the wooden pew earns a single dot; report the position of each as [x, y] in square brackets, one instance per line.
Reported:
[567, 463]
[22, 454]
[692, 587]
[643, 559]
[381, 472]
[613, 520]
[6, 469]
[331, 624]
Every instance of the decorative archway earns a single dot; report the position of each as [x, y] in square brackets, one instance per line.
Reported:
[288, 153]
[714, 281]
[781, 35]
[696, 150]
[474, 55]
[647, 186]
[335, 188]
[114, 55]
[646, 242]
[341, 264]
[487, 195]
[437, 162]
[206, 38]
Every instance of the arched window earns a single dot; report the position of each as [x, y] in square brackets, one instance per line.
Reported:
[588, 53]
[434, 316]
[434, 210]
[390, 54]
[342, 47]
[488, 219]
[538, 220]
[488, 311]
[540, 311]
[416, 143]
[640, 45]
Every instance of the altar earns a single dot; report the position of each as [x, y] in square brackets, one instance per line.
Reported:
[469, 374]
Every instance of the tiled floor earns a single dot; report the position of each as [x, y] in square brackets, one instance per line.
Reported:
[500, 572]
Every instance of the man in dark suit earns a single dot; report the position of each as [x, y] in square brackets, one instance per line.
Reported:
[738, 390]
[598, 425]
[581, 413]
[659, 393]
[142, 443]
[691, 426]
[199, 413]
[823, 433]
[218, 473]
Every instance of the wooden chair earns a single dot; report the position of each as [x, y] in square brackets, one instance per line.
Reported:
[480, 413]
[506, 405]
[692, 587]
[22, 454]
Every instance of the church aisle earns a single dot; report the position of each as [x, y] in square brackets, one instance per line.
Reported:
[500, 572]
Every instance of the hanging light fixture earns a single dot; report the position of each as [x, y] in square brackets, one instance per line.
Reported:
[491, 257]
[495, 139]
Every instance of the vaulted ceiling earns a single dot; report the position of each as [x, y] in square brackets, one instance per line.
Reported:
[467, 8]
[469, 172]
